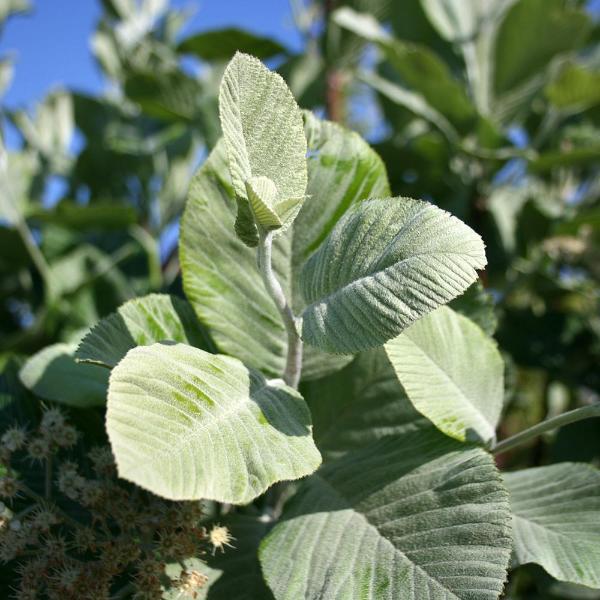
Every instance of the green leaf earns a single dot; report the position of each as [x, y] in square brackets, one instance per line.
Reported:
[263, 132]
[556, 520]
[220, 274]
[222, 44]
[141, 322]
[531, 34]
[416, 516]
[575, 88]
[386, 264]
[419, 67]
[359, 405]
[212, 428]
[581, 156]
[453, 374]
[106, 215]
[168, 96]
[53, 374]
[13, 252]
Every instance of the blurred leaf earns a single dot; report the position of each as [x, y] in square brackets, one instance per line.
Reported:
[415, 103]
[51, 128]
[458, 20]
[420, 69]
[101, 214]
[531, 34]
[582, 156]
[169, 96]
[6, 74]
[13, 252]
[222, 44]
[54, 375]
[575, 88]
[477, 305]
[9, 8]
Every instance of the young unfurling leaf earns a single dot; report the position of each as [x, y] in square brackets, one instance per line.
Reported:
[264, 134]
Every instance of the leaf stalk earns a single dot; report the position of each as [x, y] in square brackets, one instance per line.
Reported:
[293, 367]
[571, 416]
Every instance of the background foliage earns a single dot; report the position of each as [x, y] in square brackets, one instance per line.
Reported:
[489, 110]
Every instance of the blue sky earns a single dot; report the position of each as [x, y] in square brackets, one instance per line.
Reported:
[52, 43]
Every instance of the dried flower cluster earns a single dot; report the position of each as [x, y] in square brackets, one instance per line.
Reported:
[87, 535]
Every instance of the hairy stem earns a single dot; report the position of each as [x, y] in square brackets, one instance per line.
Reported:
[571, 416]
[293, 366]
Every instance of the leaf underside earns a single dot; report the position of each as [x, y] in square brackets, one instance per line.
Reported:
[453, 374]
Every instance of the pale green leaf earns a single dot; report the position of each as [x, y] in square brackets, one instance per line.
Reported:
[386, 264]
[220, 275]
[575, 88]
[415, 516]
[53, 374]
[141, 322]
[270, 212]
[212, 428]
[453, 374]
[263, 130]
[222, 44]
[359, 405]
[556, 520]
[262, 195]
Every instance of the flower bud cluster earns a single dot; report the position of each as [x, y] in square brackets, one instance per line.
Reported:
[111, 532]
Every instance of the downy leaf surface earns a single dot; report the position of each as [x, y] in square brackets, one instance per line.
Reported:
[415, 516]
[556, 520]
[212, 428]
[220, 275]
[386, 264]
[264, 135]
